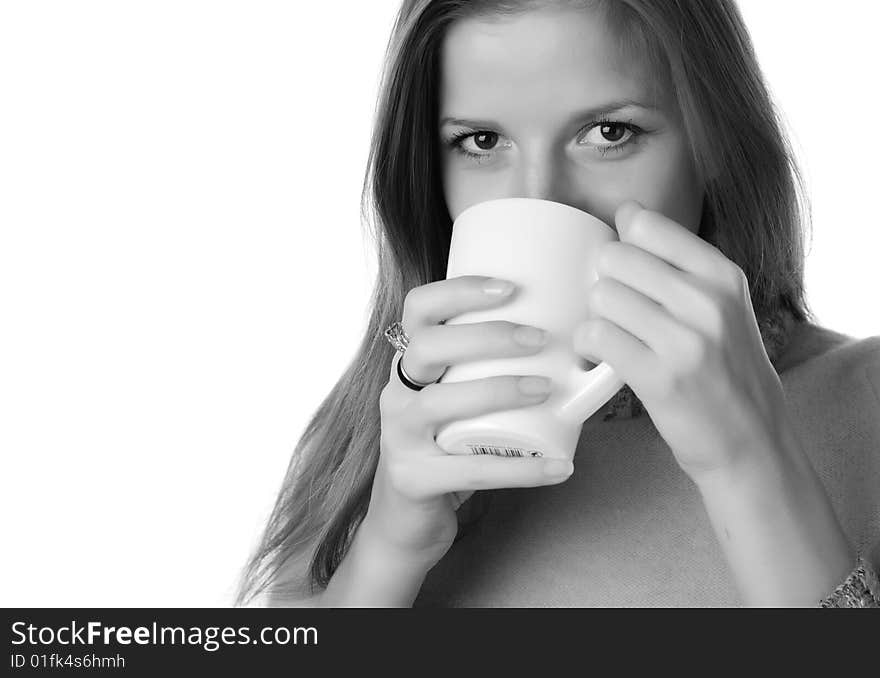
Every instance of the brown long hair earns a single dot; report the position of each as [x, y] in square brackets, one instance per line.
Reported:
[755, 212]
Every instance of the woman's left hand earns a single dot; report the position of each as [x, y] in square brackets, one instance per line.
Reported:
[674, 319]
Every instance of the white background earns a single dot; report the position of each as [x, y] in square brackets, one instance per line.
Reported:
[183, 274]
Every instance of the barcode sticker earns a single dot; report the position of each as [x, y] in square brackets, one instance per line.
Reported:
[504, 451]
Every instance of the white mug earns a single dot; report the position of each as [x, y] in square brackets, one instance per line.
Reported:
[548, 250]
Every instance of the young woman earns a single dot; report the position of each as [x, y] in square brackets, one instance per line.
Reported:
[740, 464]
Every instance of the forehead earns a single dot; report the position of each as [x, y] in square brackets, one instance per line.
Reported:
[561, 58]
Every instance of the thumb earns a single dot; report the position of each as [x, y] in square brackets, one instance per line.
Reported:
[625, 214]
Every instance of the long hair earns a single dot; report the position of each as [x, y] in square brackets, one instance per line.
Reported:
[755, 212]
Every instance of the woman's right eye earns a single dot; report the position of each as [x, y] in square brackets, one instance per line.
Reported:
[480, 138]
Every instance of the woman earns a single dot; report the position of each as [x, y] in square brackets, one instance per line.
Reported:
[652, 116]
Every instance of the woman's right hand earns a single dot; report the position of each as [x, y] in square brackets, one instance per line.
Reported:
[418, 486]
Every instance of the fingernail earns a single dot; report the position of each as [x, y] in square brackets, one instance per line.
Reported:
[497, 287]
[530, 336]
[625, 214]
[558, 467]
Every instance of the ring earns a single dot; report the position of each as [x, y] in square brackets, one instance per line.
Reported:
[409, 383]
[400, 340]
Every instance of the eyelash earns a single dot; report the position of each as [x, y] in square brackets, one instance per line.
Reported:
[456, 140]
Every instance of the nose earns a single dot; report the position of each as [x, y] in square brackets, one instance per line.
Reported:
[541, 176]
[547, 176]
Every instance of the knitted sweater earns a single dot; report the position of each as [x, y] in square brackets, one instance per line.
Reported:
[629, 528]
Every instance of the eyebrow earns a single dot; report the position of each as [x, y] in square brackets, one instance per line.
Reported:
[603, 109]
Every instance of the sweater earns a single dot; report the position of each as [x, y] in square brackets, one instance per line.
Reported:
[629, 529]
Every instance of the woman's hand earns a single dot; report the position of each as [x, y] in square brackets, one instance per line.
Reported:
[418, 486]
[674, 318]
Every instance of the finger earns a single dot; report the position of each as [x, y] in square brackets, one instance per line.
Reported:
[436, 302]
[438, 404]
[436, 347]
[640, 316]
[669, 240]
[677, 291]
[632, 360]
[455, 472]
[420, 375]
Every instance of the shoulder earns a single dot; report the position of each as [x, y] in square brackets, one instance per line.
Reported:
[833, 395]
[841, 364]
[809, 342]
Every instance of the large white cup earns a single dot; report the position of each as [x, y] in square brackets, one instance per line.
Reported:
[549, 250]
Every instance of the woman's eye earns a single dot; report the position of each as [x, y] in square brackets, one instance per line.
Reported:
[605, 136]
[477, 145]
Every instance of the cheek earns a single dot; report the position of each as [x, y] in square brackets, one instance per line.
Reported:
[461, 188]
[668, 183]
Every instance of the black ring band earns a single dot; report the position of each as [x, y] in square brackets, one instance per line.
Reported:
[407, 382]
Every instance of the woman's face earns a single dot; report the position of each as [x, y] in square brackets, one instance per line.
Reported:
[528, 94]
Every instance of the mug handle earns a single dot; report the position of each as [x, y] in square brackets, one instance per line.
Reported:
[593, 389]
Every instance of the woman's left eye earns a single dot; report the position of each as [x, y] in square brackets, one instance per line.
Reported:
[606, 135]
